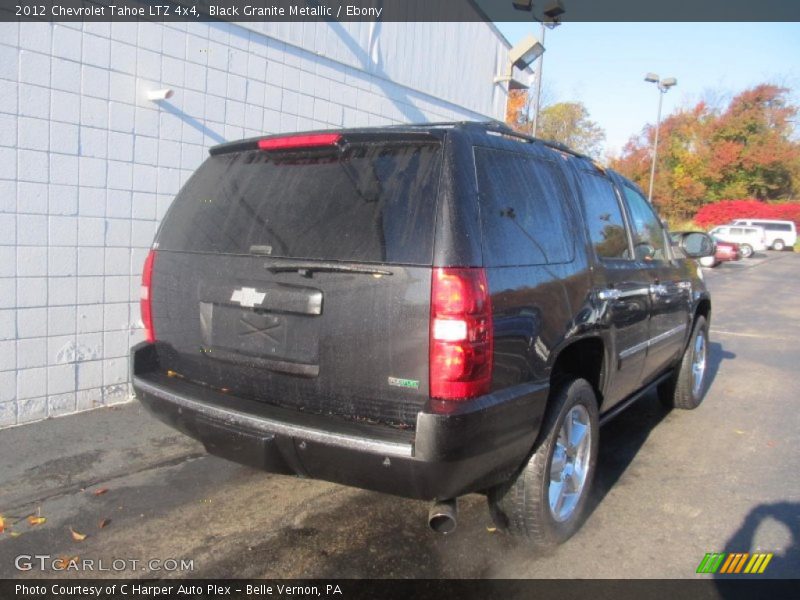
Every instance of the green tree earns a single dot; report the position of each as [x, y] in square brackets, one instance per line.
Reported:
[569, 124]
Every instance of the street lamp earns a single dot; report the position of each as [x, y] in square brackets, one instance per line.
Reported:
[663, 85]
[553, 12]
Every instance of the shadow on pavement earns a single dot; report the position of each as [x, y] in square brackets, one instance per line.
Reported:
[784, 564]
[716, 355]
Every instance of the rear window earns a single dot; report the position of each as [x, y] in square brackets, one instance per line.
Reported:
[778, 226]
[372, 203]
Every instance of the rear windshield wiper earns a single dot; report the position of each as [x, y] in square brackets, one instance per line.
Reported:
[306, 269]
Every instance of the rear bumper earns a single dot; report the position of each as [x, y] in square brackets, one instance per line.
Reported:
[469, 450]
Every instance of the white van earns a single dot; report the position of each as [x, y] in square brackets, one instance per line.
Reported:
[750, 238]
[780, 234]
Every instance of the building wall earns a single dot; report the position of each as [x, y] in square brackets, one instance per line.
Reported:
[88, 165]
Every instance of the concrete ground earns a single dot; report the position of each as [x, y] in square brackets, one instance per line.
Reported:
[671, 486]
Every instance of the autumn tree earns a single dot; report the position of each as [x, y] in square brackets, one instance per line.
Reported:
[705, 154]
[565, 122]
[569, 124]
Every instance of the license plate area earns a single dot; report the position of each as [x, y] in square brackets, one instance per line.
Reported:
[265, 334]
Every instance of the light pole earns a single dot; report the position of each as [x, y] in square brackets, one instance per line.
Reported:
[538, 87]
[663, 85]
[553, 12]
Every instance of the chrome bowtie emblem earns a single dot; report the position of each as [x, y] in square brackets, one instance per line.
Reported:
[247, 296]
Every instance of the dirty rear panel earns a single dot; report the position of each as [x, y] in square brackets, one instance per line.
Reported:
[302, 279]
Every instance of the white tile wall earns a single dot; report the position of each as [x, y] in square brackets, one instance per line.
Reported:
[88, 165]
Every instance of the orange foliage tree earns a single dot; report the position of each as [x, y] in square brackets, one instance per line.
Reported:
[705, 154]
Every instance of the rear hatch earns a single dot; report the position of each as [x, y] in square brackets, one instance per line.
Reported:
[296, 272]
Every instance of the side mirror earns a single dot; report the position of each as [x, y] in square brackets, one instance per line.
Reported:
[696, 244]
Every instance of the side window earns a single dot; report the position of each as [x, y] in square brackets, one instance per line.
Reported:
[649, 242]
[737, 231]
[604, 218]
[523, 202]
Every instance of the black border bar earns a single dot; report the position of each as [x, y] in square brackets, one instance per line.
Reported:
[397, 10]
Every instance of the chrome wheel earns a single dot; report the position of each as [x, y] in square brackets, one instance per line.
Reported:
[746, 250]
[698, 363]
[570, 463]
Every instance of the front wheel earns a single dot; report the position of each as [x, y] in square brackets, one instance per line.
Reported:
[746, 250]
[686, 388]
[778, 245]
[544, 504]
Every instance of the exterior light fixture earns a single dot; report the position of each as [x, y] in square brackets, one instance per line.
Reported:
[156, 95]
[521, 56]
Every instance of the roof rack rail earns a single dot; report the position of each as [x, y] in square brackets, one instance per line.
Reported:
[500, 127]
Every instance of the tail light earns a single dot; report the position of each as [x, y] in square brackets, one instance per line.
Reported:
[300, 141]
[461, 335]
[146, 297]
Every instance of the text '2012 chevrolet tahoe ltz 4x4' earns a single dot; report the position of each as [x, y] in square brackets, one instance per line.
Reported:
[427, 311]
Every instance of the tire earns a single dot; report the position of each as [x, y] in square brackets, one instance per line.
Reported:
[746, 250]
[683, 390]
[778, 245]
[523, 505]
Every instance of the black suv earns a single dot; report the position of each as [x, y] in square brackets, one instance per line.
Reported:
[427, 311]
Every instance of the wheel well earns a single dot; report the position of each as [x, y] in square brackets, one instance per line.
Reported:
[584, 359]
[703, 309]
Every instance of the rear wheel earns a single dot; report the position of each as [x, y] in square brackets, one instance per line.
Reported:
[687, 386]
[778, 245]
[746, 250]
[544, 503]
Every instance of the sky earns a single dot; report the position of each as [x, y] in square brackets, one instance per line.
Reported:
[603, 65]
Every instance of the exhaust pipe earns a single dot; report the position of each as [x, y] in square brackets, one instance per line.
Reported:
[443, 516]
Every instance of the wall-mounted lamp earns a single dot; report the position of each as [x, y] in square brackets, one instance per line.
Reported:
[521, 56]
[156, 95]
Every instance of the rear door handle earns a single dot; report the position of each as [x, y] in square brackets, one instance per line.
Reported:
[609, 294]
[617, 294]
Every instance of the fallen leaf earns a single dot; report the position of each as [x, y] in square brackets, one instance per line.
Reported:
[739, 431]
[103, 523]
[491, 529]
[100, 491]
[14, 534]
[78, 537]
[34, 520]
[62, 562]
[771, 444]
[2, 524]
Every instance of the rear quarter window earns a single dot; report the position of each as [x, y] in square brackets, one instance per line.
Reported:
[523, 204]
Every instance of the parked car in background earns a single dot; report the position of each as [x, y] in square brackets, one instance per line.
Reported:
[723, 252]
[779, 234]
[750, 238]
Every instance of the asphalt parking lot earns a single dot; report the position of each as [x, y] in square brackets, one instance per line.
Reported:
[671, 486]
